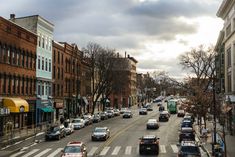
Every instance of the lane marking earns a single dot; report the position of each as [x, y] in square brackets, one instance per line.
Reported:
[92, 151]
[128, 150]
[57, 151]
[174, 148]
[15, 155]
[162, 149]
[43, 152]
[31, 152]
[116, 150]
[104, 151]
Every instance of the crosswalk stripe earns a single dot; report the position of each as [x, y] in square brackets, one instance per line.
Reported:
[55, 152]
[31, 152]
[162, 149]
[116, 150]
[43, 152]
[128, 150]
[104, 151]
[16, 154]
[92, 151]
[174, 148]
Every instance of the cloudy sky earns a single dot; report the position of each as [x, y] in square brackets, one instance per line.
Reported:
[155, 32]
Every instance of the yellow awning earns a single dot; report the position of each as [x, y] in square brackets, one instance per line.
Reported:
[16, 105]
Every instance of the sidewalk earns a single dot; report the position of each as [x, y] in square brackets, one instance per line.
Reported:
[207, 142]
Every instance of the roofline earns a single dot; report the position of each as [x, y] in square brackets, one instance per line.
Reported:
[35, 16]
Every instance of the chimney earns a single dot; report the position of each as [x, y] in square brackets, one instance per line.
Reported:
[12, 16]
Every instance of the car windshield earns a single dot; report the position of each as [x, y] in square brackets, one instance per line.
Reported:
[152, 121]
[72, 149]
[99, 130]
[147, 141]
[190, 150]
[76, 121]
[54, 129]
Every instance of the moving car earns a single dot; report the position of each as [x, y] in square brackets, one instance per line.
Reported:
[143, 111]
[164, 116]
[110, 113]
[100, 133]
[149, 144]
[180, 113]
[88, 119]
[189, 148]
[186, 123]
[78, 123]
[75, 148]
[55, 132]
[148, 106]
[152, 124]
[127, 114]
[186, 134]
[161, 108]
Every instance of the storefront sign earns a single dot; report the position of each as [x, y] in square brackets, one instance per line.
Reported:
[59, 105]
[4, 111]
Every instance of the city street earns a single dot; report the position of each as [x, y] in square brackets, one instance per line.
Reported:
[124, 139]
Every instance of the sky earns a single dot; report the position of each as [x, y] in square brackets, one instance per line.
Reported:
[154, 32]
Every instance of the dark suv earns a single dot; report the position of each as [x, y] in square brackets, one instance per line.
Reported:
[149, 144]
[186, 134]
[55, 132]
[189, 148]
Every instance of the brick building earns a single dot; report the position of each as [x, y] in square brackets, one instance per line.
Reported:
[17, 75]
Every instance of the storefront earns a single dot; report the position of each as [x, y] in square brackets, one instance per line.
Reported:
[45, 112]
[18, 111]
[59, 109]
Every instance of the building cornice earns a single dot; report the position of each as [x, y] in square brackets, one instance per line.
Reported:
[224, 8]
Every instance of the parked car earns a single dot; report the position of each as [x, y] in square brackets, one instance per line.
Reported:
[103, 115]
[186, 123]
[164, 116]
[78, 123]
[68, 126]
[88, 119]
[149, 144]
[127, 114]
[143, 111]
[189, 148]
[116, 112]
[74, 148]
[110, 113]
[96, 118]
[186, 134]
[148, 106]
[123, 109]
[180, 113]
[100, 133]
[152, 124]
[55, 132]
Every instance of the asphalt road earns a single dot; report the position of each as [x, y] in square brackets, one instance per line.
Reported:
[124, 140]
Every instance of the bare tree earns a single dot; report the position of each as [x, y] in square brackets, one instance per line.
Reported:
[101, 65]
[201, 62]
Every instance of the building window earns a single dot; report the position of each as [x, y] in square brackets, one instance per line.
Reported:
[62, 89]
[49, 65]
[54, 56]
[42, 63]
[27, 60]
[39, 89]
[58, 72]
[46, 91]
[17, 58]
[39, 40]
[9, 85]
[22, 90]
[62, 74]
[8, 55]
[62, 58]
[53, 90]
[31, 61]
[46, 41]
[4, 84]
[18, 85]
[59, 57]
[229, 82]
[27, 86]
[228, 30]
[43, 42]
[31, 86]
[13, 85]
[229, 57]
[13, 57]
[49, 90]
[46, 64]
[22, 59]
[42, 88]
[54, 72]
[39, 60]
